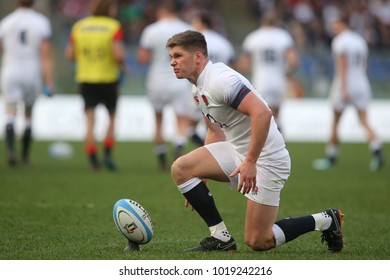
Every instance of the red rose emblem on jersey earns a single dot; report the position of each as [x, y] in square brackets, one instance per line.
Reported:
[255, 190]
[196, 99]
[205, 100]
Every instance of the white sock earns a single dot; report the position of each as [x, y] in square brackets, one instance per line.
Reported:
[375, 145]
[322, 220]
[160, 149]
[220, 232]
[180, 140]
[279, 236]
[332, 150]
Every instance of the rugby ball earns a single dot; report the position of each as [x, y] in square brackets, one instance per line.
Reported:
[61, 150]
[133, 221]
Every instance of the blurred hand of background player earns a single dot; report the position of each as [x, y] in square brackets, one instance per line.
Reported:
[47, 91]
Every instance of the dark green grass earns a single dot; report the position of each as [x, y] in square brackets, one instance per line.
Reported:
[59, 209]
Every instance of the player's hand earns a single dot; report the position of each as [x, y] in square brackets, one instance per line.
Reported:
[247, 180]
[186, 204]
[47, 91]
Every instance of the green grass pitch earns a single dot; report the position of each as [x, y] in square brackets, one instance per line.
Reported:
[59, 209]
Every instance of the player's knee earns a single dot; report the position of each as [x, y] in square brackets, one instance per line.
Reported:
[257, 243]
[178, 171]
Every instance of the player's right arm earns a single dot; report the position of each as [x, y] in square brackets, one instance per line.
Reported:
[341, 62]
[243, 64]
[292, 61]
[69, 50]
[144, 55]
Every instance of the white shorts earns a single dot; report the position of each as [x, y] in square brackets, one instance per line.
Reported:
[273, 98]
[20, 87]
[272, 173]
[175, 95]
[359, 97]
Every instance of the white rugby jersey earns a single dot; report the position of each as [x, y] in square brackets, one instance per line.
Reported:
[218, 47]
[218, 92]
[354, 47]
[22, 33]
[154, 38]
[267, 47]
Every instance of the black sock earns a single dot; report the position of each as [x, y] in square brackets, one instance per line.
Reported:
[178, 151]
[332, 159]
[377, 153]
[107, 152]
[93, 160]
[10, 137]
[26, 143]
[203, 202]
[162, 161]
[197, 140]
[294, 227]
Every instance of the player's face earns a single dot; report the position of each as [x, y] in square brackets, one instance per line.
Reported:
[182, 62]
[336, 27]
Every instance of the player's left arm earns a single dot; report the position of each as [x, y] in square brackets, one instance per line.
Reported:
[260, 116]
[46, 52]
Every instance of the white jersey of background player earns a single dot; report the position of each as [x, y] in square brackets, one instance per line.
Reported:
[270, 52]
[162, 86]
[219, 50]
[25, 40]
[218, 47]
[22, 33]
[353, 47]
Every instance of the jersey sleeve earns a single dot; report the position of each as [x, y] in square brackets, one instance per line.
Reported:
[119, 34]
[338, 47]
[146, 38]
[46, 29]
[246, 45]
[230, 89]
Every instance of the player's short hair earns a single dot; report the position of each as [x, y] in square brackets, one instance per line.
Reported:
[189, 40]
[270, 18]
[102, 7]
[343, 20]
[171, 6]
[26, 3]
[205, 18]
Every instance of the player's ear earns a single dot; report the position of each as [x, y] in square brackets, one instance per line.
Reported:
[198, 56]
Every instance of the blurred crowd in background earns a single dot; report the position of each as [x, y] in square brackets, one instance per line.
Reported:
[308, 21]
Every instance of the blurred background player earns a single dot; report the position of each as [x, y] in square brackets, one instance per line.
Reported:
[269, 54]
[27, 54]
[220, 49]
[162, 86]
[350, 86]
[96, 46]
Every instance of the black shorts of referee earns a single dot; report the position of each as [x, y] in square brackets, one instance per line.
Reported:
[99, 93]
